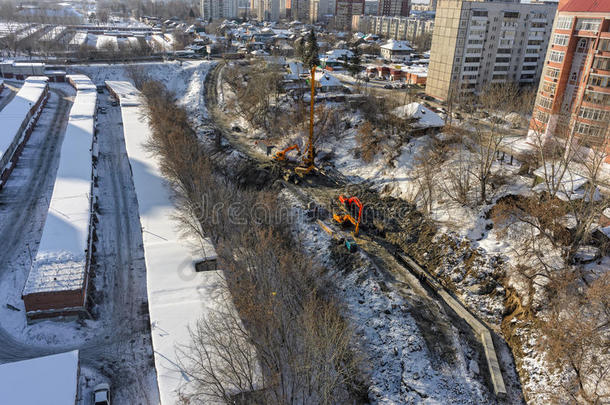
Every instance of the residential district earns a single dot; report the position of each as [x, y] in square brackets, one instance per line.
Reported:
[304, 202]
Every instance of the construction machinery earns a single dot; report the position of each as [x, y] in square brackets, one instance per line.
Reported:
[308, 159]
[350, 243]
[351, 212]
[280, 156]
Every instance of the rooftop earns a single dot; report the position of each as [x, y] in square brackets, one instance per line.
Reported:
[41, 380]
[586, 6]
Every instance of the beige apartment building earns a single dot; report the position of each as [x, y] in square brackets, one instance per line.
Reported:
[398, 28]
[478, 43]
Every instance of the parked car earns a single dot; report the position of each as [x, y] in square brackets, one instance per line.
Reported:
[101, 394]
[102, 110]
[387, 86]
[115, 103]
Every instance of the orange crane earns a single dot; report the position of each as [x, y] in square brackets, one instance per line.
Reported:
[349, 205]
[280, 156]
[308, 160]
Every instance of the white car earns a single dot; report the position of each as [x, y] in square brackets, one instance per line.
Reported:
[101, 394]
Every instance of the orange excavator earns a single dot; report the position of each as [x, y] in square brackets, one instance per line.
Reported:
[280, 156]
[349, 206]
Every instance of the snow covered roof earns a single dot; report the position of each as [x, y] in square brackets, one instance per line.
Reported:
[178, 295]
[325, 79]
[60, 264]
[339, 53]
[128, 95]
[425, 117]
[15, 112]
[569, 185]
[42, 380]
[393, 45]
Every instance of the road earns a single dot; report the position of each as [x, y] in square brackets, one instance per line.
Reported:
[8, 93]
[118, 346]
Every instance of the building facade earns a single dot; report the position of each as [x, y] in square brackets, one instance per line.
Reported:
[344, 11]
[218, 9]
[393, 8]
[398, 28]
[574, 92]
[476, 44]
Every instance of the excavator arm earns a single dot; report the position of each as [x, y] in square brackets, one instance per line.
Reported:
[280, 156]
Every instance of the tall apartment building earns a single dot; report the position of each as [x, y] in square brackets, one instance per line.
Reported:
[267, 10]
[344, 11]
[320, 9]
[217, 9]
[393, 8]
[299, 10]
[398, 28]
[478, 43]
[574, 93]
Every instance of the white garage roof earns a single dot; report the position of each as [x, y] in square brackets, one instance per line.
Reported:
[42, 380]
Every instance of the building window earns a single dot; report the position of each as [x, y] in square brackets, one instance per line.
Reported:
[552, 72]
[600, 81]
[588, 24]
[596, 97]
[593, 114]
[471, 68]
[544, 102]
[556, 56]
[549, 87]
[564, 23]
[604, 45]
[586, 129]
[601, 63]
[502, 60]
[479, 13]
[541, 116]
[560, 39]
[511, 14]
[472, 60]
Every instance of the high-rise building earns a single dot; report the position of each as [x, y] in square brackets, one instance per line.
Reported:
[344, 11]
[299, 10]
[478, 43]
[393, 8]
[574, 93]
[320, 9]
[267, 10]
[217, 9]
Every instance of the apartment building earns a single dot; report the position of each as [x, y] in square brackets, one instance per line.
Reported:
[398, 28]
[344, 11]
[299, 10]
[393, 8]
[320, 10]
[429, 6]
[267, 10]
[574, 92]
[218, 9]
[478, 43]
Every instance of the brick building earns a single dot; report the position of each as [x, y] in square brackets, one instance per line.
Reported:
[574, 93]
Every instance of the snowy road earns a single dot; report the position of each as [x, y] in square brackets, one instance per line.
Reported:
[8, 93]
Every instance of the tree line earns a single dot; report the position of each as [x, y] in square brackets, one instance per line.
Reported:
[285, 312]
